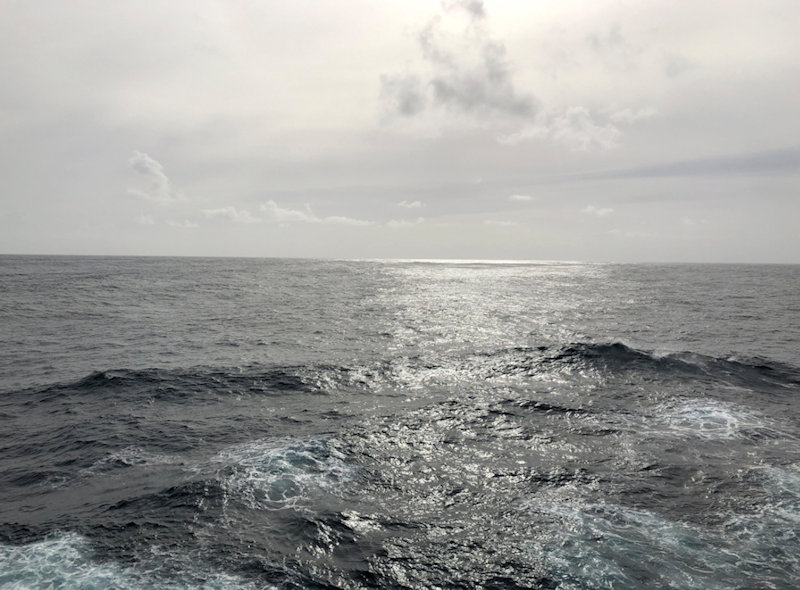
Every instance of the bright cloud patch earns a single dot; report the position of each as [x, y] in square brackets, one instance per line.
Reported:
[522, 198]
[279, 214]
[157, 187]
[410, 204]
[231, 214]
[577, 128]
[405, 222]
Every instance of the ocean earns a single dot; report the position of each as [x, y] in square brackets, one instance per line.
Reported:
[220, 423]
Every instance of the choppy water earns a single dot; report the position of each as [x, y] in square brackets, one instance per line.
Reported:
[231, 423]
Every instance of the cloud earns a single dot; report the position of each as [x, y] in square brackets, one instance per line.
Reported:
[145, 220]
[500, 223]
[576, 128]
[281, 215]
[468, 73]
[524, 198]
[278, 214]
[157, 186]
[340, 220]
[631, 116]
[598, 211]
[405, 222]
[473, 7]
[410, 204]
[231, 214]
[404, 94]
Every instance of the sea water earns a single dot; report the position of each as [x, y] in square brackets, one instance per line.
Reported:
[245, 423]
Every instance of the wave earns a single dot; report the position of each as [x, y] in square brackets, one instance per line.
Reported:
[197, 384]
[617, 357]
[593, 361]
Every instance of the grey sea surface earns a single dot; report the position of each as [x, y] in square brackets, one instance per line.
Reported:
[273, 423]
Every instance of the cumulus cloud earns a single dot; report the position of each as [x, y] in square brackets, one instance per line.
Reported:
[231, 214]
[523, 198]
[468, 71]
[410, 204]
[281, 215]
[157, 187]
[598, 211]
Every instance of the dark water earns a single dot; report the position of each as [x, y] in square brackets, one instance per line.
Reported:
[189, 423]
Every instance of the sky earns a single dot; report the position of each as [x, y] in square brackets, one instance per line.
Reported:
[596, 130]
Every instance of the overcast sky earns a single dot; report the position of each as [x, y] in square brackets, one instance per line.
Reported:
[574, 130]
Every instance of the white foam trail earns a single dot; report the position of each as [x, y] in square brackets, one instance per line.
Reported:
[599, 545]
[711, 420]
[270, 474]
[66, 561]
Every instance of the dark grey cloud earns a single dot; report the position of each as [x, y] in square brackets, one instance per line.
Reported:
[488, 90]
[473, 79]
[404, 94]
[474, 7]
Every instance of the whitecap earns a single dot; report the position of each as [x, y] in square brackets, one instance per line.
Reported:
[711, 419]
[603, 545]
[67, 561]
[270, 474]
